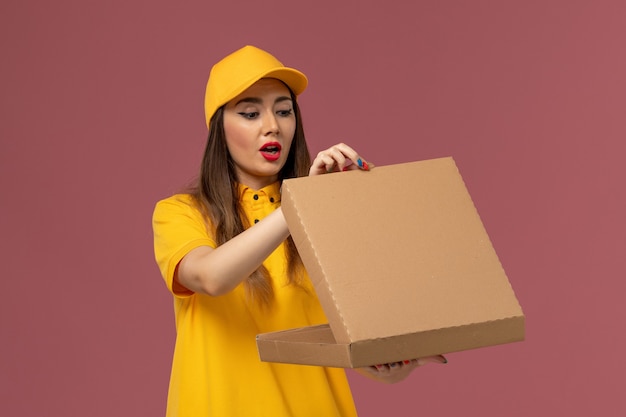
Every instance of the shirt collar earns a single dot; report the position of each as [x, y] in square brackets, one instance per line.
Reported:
[271, 192]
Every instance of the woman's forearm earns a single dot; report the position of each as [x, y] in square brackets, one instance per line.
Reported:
[218, 271]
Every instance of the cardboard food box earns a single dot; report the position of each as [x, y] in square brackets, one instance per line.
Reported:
[402, 265]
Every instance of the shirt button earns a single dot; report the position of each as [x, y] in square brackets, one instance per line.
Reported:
[256, 196]
[271, 199]
[256, 221]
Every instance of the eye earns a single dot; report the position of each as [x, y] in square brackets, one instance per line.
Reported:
[285, 113]
[249, 115]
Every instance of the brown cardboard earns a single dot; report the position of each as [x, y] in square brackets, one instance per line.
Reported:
[402, 265]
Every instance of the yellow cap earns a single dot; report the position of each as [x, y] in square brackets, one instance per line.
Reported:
[236, 72]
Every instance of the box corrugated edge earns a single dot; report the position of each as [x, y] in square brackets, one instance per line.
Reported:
[311, 261]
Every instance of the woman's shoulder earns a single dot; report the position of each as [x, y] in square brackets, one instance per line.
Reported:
[177, 203]
[179, 198]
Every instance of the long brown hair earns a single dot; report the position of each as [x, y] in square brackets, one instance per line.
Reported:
[216, 194]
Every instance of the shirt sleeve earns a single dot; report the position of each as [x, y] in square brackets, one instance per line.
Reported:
[178, 227]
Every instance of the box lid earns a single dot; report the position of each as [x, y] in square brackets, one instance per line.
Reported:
[397, 250]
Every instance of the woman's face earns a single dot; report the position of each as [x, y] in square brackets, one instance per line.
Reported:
[259, 125]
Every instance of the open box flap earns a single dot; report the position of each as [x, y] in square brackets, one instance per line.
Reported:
[397, 250]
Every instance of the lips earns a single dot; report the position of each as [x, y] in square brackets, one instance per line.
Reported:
[271, 151]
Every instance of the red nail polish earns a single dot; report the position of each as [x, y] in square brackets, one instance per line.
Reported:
[365, 166]
[406, 362]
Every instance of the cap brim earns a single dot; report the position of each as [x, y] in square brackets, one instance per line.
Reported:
[295, 80]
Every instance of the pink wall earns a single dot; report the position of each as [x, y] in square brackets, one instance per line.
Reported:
[101, 110]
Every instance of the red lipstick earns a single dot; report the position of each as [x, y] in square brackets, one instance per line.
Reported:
[271, 151]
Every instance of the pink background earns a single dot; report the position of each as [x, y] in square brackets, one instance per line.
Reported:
[101, 106]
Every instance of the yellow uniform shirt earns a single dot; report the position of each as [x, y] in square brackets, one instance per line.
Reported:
[216, 369]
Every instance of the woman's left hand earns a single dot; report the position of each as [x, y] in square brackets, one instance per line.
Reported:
[340, 157]
[397, 371]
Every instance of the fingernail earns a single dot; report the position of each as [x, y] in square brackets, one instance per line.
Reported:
[344, 169]
[359, 162]
[406, 362]
[365, 166]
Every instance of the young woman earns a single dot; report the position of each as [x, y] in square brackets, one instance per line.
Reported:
[225, 253]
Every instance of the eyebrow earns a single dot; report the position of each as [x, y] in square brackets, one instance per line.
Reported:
[257, 100]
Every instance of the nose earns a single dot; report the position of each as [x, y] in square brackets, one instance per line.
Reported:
[270, 124]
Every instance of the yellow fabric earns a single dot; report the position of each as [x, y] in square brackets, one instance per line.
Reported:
[216, 369]
[242, 68]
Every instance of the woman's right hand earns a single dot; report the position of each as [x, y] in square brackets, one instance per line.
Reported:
[395, 372]
[340, 157]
